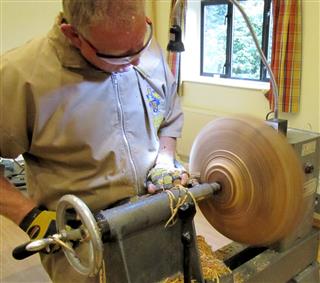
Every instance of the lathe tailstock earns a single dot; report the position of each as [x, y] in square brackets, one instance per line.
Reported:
[255, 187]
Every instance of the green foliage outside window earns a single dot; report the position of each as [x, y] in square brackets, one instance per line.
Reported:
[245, 60]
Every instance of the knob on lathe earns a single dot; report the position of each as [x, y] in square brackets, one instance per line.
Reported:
[260, 176]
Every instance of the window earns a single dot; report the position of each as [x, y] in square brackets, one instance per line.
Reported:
[227, 47]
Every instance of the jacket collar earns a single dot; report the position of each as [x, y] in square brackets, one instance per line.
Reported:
[68, 55]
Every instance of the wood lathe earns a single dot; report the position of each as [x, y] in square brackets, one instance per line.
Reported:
[256, 187]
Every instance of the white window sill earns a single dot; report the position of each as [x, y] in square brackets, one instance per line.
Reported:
[254, 85]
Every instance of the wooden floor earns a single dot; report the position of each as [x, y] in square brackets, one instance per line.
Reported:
[14, 271]
[31, 271]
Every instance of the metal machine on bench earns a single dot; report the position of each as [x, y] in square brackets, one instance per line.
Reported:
[252, 190]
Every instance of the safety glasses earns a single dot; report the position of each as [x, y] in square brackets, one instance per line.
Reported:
[127, 59]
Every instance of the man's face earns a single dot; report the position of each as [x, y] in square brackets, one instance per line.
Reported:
[115, 49]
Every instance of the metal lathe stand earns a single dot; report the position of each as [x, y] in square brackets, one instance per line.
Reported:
[138, 248]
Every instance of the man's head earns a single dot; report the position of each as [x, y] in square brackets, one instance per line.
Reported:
[107, 29]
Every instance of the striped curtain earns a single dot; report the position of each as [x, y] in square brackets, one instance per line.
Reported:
[174, 58]
[286, 54]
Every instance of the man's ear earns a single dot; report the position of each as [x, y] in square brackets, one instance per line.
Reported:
[69, 31]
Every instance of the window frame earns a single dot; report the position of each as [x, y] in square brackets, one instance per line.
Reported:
[229, 21]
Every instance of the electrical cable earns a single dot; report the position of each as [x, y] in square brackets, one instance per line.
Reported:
[263, 58]
[268, 114]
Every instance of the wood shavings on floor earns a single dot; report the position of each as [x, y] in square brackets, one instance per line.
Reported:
[213, 267]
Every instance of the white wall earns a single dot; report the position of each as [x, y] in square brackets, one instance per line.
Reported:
[161, 10]
[22, 20]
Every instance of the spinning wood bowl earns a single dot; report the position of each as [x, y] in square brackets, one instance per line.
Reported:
[260, 175]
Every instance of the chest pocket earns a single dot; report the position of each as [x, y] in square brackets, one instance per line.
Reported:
[156, 105]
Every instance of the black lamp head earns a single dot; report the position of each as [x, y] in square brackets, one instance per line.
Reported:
[175, 44]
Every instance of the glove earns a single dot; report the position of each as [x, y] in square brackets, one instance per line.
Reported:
[39, 223]
[164, 177]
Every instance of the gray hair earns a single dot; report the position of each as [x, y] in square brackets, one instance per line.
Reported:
[83, 13]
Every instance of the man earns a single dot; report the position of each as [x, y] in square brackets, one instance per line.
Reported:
[93, 110]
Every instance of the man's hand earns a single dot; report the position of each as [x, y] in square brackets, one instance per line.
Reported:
[162, 177]
[167, 172]
[39, 224]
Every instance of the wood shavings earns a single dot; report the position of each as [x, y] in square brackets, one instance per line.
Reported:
[212, 267]
[177, 279]
[238, 278]
[176, 203]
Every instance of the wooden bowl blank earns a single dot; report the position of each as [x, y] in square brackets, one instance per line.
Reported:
[261, 179]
